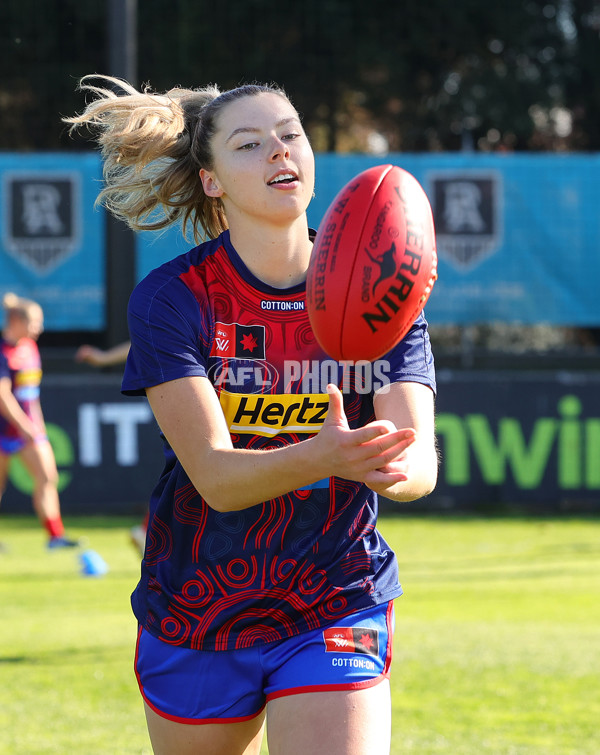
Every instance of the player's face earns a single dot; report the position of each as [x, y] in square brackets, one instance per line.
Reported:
[263, 162]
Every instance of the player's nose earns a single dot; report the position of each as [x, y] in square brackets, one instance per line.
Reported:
[279, 149]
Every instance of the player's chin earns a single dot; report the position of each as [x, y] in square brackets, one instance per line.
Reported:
[287, 217]
[299, 195]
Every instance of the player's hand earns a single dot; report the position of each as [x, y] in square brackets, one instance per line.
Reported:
[89, 355]
[28, 432]
[373, 454]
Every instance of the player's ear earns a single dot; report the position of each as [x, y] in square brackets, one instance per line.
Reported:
[210, 184]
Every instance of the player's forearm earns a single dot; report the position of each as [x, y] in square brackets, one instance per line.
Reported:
[240, 478]
[115, 355]
[422, 472]
[411, 490]
[230, 478]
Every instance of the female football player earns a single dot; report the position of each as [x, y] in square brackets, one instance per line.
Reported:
[22, 427]
[266, 592]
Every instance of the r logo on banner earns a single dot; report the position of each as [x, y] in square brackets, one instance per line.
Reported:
[467, 212]
[41, 218]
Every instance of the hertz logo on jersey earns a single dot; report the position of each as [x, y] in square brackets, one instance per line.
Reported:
[29, 377]
[272, 414]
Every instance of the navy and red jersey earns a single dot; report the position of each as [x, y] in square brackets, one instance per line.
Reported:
[21, 362]
[219, 581]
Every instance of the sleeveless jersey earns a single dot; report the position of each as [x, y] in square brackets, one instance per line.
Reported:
[219, 581]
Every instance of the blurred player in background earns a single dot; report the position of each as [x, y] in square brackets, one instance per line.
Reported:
[266, 591]
[22, 427]
[108, 358]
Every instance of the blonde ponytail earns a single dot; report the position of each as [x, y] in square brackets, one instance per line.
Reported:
[150, 174]
[10, 300]
[153, 146]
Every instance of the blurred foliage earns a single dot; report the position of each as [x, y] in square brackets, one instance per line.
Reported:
[368, 77]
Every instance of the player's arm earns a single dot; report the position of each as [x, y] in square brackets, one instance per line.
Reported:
[190, 416]
[410, 405]
[13, 413]
[103, 357]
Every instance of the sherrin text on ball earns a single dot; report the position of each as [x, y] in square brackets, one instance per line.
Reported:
[373, 264]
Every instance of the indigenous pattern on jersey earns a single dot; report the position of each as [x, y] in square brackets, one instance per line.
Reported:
[21, 362]
[219, 581]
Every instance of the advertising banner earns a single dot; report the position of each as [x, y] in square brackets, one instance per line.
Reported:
[107, 447]
[518, 235]
[52, 245]
[531, 440]
[519, 438]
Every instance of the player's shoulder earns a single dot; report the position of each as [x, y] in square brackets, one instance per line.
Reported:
[177, 266]
[168, 280]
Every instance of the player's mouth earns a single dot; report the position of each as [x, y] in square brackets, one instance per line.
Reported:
[283, 178]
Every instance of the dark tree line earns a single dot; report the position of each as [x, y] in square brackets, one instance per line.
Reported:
[376, 75]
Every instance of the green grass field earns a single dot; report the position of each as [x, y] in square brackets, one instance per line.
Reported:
[497, 645]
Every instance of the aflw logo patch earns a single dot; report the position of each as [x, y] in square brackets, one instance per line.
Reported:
[235, 341]
[351, 640]
[271, 414]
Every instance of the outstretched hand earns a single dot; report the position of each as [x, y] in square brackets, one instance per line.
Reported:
[374, 454]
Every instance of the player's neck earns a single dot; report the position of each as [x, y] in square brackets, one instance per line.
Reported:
[276, 256]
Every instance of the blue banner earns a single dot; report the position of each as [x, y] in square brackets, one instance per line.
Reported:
[155, 248]
[52, 243]
[518, 235]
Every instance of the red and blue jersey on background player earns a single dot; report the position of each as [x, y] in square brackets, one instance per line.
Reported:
[219, 581]
[22, 363]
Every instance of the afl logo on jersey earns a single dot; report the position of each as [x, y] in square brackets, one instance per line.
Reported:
[242, 375]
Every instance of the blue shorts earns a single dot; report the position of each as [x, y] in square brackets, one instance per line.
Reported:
[202, 687]
[10, 446]
[15, 445]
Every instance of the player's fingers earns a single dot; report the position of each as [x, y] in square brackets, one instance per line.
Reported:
[378, 439]
[397, 466]
[385, 478]
[381, 453]
[335, 414]
[371, 431]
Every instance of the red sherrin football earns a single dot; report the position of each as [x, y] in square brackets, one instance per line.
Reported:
[373, 264]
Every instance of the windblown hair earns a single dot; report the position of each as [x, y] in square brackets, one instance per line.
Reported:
[153, 146]
[17, 306]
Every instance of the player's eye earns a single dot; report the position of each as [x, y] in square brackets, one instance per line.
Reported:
[247, 147]
[290, 137]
